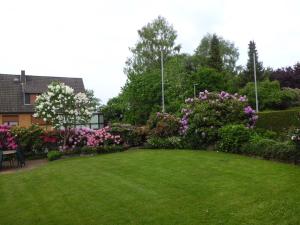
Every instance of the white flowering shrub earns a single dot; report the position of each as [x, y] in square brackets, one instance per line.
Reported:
[61, 107]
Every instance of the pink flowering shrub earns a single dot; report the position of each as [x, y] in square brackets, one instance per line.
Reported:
[204, 115]
[7, 140]
[102, 137]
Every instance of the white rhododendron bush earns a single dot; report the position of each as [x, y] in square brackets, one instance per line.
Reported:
[62, 108]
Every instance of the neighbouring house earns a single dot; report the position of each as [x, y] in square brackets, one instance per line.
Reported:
[18, 94]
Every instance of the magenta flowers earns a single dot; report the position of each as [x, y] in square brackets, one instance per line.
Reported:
[7, 140]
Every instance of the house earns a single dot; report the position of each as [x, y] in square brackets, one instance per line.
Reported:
[18, 94]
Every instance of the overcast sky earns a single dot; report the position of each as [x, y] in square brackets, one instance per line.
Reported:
[90, 38]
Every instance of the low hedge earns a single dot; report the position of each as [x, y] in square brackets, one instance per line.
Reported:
[278, 121]
[271, 149]
[54, 155]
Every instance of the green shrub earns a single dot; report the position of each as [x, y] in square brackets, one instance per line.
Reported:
[110, 148]
[232, 137]
[163, 125]
[173, 142]
[271, 149]
[270, 95]
[278, 121]
[130, 135]
[88, 150]
[29, 139]
[203, 116]
[53, 155]
[266, 133]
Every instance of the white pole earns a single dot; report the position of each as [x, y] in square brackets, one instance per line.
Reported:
[195, 90]
[162, 83]
[255, 82]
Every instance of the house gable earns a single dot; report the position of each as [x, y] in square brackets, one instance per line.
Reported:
[15, 90]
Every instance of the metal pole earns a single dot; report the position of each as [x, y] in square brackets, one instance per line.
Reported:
[255, 82]
[162, 83]
[195, 90]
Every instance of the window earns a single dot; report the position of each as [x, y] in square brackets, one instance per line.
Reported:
[30, 98]
[27, 99]
[10, 120]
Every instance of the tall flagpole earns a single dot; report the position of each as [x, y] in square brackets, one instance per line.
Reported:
[255, 82]
[162, 83]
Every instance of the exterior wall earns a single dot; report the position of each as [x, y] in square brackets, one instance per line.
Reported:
[24, 120]
[1, 119]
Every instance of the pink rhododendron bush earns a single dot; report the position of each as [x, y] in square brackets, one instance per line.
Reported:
[102, 137]
[81, 137]
[204, 115]
[7, 140]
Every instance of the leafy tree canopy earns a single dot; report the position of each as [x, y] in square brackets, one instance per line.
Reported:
[228, 52]
[155, 38]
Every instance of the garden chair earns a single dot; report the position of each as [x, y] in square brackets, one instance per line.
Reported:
[4, 158]
[20, 158]
[1, 159]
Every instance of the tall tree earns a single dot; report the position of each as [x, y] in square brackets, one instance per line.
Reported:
[249, 71]
[154, 38]
[288, 76]
[229, 53]
[214, 54]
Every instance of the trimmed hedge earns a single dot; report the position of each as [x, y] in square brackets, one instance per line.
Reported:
[278, 121]
[271, 149]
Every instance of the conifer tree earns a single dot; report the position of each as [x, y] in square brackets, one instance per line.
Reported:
[249, 71]
[214, 56]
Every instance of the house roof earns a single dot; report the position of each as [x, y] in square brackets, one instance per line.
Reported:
[11, 91]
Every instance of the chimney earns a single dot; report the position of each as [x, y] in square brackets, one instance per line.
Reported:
[23, 77]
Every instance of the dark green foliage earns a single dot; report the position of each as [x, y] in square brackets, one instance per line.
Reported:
[229, 53]
[110, 149]
[173, 142]
[214, 54]
[278, 121]
[88, 150]
[264, 133]
[210, 79]
[114, 110]
[53, 155]
[271, 149]
[163, 125]
[288, 77]
[270, 96]
[130, 135]
[249, 71]
[232, 137]
[29, 138]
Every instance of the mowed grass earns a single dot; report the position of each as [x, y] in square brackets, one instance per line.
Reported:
[153, 187]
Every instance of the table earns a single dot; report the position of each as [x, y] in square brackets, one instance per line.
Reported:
[9, 152]
[10, 155]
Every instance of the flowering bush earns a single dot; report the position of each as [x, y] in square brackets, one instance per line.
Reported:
[61, 107]
[7, 140]
[102, 137]
[130, 135]
[204, 115]
[30, 139]
[163, 125]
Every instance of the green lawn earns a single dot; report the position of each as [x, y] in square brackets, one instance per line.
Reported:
[153, 187]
